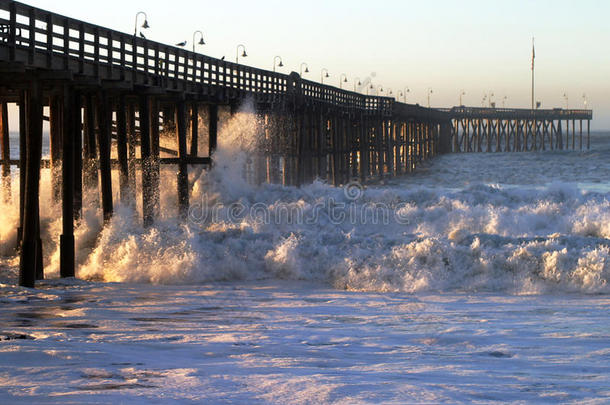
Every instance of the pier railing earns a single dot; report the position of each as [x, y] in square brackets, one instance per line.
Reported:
[42, 39]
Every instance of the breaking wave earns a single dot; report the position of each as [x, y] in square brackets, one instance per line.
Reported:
[429, 232]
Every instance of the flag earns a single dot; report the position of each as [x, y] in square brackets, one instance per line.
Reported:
[533, 53]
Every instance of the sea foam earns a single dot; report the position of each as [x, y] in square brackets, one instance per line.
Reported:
[475, 228]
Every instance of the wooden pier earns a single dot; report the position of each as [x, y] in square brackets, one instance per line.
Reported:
[518, 130]
[111, 95]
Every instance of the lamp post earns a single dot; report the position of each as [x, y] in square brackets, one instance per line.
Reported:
[322, 76]
[201, 41]
[237, 53]
[144, 25]
[429, 93]
[462, 93]
[584, 100]
[565, 96]
[344, 77]
[279, 64]
[357, 83]
[306, 68]
[404, 94]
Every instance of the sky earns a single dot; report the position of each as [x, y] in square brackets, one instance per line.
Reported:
[479, 47]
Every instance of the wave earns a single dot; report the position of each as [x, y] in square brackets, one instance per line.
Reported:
[402, 236]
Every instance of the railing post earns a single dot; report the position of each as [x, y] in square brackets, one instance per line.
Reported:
[32, 38]
[49, 40]
[12, 39]
[66, 37]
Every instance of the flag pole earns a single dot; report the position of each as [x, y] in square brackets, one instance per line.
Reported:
[533, 57]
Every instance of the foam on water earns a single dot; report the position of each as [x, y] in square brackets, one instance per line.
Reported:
[518, 223]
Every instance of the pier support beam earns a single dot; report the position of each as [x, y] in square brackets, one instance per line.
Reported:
[195, 129]
[90, 162]
[29, 243]
[22, 159]
[183, 184]
[148, 209]
[213, 128]
[66, 243]
[56, 125]
[5, 152]
[125, 191]
[104, 133]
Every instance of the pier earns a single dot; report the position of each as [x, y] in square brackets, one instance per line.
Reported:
[519, 130]
[111, 95]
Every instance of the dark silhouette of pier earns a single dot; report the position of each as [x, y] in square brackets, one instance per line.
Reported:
[110, 95]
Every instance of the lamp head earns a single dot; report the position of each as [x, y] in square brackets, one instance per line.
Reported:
[345, 80]
[359, 84]
[244, 54]
[327, 75]
[306, 69]
[281, 64]
[145, 25]
[201, 41]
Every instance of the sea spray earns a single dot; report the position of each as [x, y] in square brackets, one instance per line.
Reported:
[443, 230]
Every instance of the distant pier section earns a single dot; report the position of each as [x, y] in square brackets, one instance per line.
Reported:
[518, 129]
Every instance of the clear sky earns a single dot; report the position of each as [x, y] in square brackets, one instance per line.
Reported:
[474, 45]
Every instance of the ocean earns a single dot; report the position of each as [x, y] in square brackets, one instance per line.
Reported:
[479, 278]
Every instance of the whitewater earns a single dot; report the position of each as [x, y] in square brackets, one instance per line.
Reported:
[478, 278]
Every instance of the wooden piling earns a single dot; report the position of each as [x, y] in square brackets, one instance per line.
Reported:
[212, 128]
[5, 152]
[66, 243]
[148, 207]
[29, 242]
[125, 191]
[194, 129]
[132, 140]
[90, 165]
[154, 163]
[56, 125]
[78, 155]
[183, 185]
[104, 118]
[22, 158]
